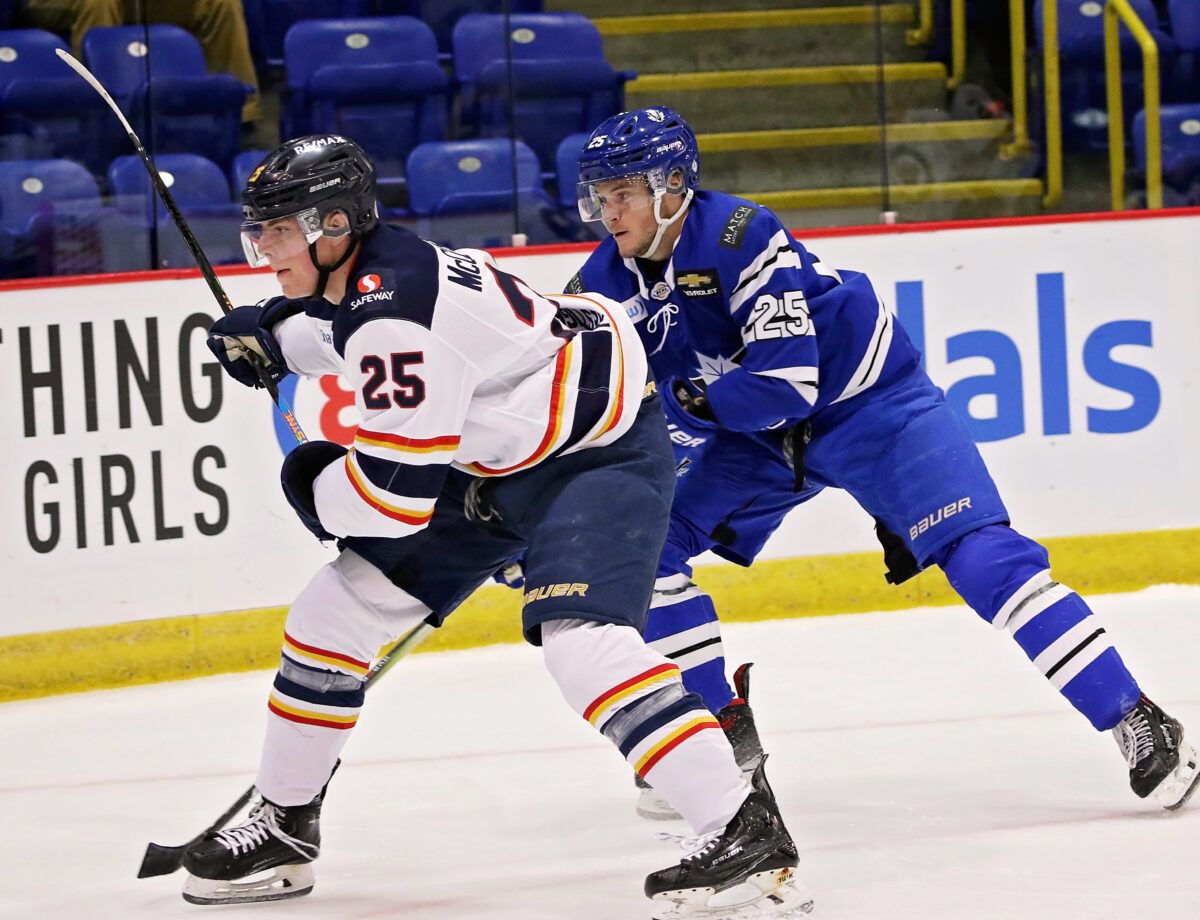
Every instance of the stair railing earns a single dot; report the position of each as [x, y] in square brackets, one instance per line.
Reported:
[1116, 12]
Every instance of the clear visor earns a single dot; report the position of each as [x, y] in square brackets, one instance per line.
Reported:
[265, 241]
[605, 198]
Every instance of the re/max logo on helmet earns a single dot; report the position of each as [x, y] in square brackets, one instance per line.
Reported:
[316, 143]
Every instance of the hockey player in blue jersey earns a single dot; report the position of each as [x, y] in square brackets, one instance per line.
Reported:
[780, 376]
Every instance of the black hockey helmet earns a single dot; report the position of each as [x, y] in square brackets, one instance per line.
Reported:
[322, 171]
[307, 179]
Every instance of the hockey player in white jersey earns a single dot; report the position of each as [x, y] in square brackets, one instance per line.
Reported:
[495, 422]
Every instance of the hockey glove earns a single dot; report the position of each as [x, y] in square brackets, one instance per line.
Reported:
[511, 574]
[242, 339]
[687, 431]
[300, 469]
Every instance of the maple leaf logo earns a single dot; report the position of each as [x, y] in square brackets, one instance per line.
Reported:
[712, 368]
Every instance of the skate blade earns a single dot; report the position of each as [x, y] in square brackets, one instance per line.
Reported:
[777, 894]
[1174, 791]
[279, 883]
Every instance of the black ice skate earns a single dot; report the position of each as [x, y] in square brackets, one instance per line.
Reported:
[1160, 761]
[278, 841]
[737, 720]
[746, 870]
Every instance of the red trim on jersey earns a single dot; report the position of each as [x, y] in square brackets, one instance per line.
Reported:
[442, 441]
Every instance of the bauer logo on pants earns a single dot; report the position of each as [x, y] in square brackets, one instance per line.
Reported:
[563, 590]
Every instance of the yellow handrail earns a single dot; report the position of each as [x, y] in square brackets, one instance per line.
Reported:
[1020, 94]
[958, 42]
[1115, 12]
[1053, 93]
[923, 33]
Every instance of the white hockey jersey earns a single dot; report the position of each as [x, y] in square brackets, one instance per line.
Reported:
[456, 363]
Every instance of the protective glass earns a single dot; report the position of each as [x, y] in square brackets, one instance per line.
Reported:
[609, 197]
[282, 238]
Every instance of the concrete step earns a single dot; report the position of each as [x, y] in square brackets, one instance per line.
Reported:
[747, 38]
[836, 207]
[601, 9]
[794, 97]
[852, 156]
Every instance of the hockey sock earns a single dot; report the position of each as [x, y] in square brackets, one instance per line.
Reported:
[335, 627]
[311, 714]
[682, 625]
[1006, 578]
[636, 698]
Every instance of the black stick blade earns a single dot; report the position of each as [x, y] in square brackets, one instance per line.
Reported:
[160, 860]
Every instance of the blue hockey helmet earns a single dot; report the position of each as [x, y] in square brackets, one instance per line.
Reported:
[654, 142]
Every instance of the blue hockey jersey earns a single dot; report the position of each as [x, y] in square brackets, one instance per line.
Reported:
[742, 310]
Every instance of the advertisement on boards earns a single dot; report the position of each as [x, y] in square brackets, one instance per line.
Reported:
[140, 482]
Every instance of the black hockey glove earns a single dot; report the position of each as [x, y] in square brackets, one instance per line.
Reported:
[244, 336]
[300, 469]
[692, 401]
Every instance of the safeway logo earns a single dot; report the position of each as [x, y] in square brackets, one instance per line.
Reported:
[368, 283]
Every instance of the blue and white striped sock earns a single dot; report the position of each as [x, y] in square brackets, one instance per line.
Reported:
[683, 626]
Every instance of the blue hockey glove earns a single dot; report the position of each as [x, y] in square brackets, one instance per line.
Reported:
[300, 469]
[688, 432]
[244, 336]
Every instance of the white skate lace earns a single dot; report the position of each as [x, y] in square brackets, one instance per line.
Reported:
[694, 845]
[262, 824]
[1136, 738]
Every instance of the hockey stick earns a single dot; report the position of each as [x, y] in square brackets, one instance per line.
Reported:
[161, 860]
[189, 238]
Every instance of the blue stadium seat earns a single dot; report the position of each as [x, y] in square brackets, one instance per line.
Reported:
[1185, 26]
[567, 162]
[169, 87]
[1180, 148]
[441, 15]
[376, 80]
[462, 193]
[561, 82]
[268, 21]
[200, 190]
[1185, 23]
[1081, 43]
[52, 222]
[46, 111]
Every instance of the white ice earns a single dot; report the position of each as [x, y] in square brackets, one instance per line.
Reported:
[926, 771]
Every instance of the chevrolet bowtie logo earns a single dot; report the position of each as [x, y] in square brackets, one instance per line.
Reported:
[694, 279]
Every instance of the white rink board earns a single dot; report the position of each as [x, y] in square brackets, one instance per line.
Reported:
[214, 533]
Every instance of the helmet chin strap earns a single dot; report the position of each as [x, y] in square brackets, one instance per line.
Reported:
[663, 224]
[324, 271]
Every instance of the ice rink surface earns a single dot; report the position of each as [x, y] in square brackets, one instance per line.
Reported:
[925, 769]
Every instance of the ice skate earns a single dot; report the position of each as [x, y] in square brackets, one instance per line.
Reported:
[1161, 762]
[266, 858]
[737, 721]
[746, 870]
